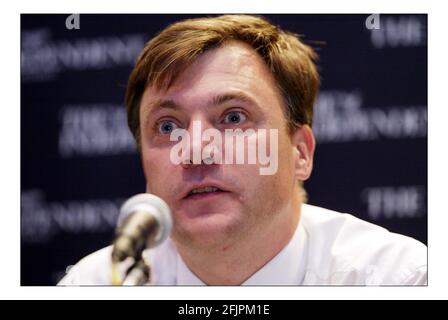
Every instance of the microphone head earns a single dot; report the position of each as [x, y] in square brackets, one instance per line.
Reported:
[154, 206]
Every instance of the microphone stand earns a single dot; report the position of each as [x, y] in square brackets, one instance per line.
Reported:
[138, 274]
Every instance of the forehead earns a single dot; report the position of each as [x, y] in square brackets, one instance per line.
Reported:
[235, 61]
[235, 66]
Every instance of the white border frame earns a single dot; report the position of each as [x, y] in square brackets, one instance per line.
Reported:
[10, 142]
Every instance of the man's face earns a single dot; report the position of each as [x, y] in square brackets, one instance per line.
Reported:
[247, 201]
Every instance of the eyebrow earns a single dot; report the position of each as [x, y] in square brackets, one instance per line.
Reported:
[215, 101]
[159, 103]
[223, 98]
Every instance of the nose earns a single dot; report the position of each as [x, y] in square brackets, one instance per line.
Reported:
[188, 163]
[197, 154]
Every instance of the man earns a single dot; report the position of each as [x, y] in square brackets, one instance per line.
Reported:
[232, 224]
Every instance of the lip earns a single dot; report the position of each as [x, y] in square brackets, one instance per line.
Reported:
[223, 189]
[205, 195]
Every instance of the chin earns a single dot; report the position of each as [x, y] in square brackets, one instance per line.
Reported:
[208, 230]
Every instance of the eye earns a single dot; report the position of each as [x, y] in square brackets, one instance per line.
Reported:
[167, 126]
[234, 117]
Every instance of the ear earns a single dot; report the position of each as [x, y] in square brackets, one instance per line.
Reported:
[304, 145]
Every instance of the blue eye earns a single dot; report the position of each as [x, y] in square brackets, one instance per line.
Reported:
[234, 117]
[167, 126]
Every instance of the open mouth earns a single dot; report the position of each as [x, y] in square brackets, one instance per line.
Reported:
[204, 192]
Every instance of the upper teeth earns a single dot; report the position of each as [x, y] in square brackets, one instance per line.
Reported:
[201, 190]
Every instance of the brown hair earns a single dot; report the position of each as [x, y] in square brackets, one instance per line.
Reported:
[164, 57]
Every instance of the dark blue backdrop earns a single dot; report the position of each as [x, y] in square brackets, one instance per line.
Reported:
[79, 162]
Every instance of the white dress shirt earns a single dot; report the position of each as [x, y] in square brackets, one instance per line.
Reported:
[327, 248]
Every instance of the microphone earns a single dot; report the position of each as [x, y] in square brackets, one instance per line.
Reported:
[144, 222]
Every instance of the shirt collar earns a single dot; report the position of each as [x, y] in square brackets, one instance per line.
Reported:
[286, 268]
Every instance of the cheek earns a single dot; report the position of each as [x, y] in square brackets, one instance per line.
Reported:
[258, 190]
[156, 164]
[277, 185]
[281, 185]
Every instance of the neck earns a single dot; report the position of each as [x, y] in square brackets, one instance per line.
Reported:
[234, 262]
